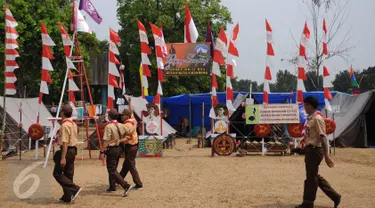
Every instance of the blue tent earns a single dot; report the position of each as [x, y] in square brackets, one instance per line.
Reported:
[190, 105]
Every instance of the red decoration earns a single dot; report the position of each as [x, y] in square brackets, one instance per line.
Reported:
[295, 130]
[36, 131]
[330, 125]
[262, 130]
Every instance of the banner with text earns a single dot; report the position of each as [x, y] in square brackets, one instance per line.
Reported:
[188, 59]
[272, 114]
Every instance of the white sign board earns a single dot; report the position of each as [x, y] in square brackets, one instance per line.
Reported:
[249, 101]
[272, 114]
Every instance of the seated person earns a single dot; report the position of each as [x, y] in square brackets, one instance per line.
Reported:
[183, 127]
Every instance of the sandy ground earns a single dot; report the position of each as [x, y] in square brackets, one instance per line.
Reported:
[191, 178]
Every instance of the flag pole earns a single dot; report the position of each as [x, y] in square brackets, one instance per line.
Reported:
[2, 134]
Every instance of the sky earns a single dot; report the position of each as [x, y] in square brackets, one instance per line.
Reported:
[287, 19]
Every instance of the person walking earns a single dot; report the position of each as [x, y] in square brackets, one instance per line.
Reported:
[64, 158]
[113, 132]
[130, 143]
[316, 148]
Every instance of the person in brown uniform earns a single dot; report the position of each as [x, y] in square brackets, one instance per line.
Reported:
[131, 148]
[63, 171]
[316, 148]
[113, 132]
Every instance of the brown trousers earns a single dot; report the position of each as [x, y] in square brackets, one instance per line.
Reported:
[64, 175]
[113, 156]
[129, 163]
[313, 158]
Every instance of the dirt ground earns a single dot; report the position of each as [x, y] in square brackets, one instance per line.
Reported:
[190, 177]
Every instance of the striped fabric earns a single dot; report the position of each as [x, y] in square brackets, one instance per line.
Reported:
[302, 64]
[218, 59]
[113, 73]
[232, 53]
[46, 64]
[267, 74]
[326, 83]
[145, 51]
[159, 45]
[11, 53]
[72, 87]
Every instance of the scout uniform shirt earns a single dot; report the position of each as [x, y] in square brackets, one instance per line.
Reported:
[114, 131]
[132, 138]
[68, 132]
[315, 129]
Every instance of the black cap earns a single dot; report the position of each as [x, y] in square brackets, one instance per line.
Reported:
[313, 101]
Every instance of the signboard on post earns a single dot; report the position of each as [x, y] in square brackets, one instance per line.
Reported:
[272, 114]
[188, 59]
[335, 108]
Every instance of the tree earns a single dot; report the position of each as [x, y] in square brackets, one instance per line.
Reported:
[336, 47]
[169, 13]
[243, 85]
[342, 81]
[29, 15]
[285, 81]
[365, 79]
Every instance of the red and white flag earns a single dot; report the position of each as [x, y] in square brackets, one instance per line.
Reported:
[159, 44]
[11, 53]
[190, 31]
[145, 51]
[218, 59]
[268, 74]
[326, 83]
[72, 87]
[46, 64]
[220, 49]
[302, 64]
[113, 73]
[232, 54]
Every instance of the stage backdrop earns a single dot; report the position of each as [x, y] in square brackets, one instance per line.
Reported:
[188, 59]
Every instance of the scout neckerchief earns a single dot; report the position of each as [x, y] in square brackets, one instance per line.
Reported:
[303, 141]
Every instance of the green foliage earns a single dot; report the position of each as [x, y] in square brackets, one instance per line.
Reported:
[285, 82]
[365, 79]
[169, 13]
[29, 15]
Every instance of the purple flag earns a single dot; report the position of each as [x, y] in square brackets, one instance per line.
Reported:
[89, 8]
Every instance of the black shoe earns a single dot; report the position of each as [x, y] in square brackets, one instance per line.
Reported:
[74, 197]
[109, 190]
[126, 191]
[63, 200]
[138, 187]
[337, 201]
